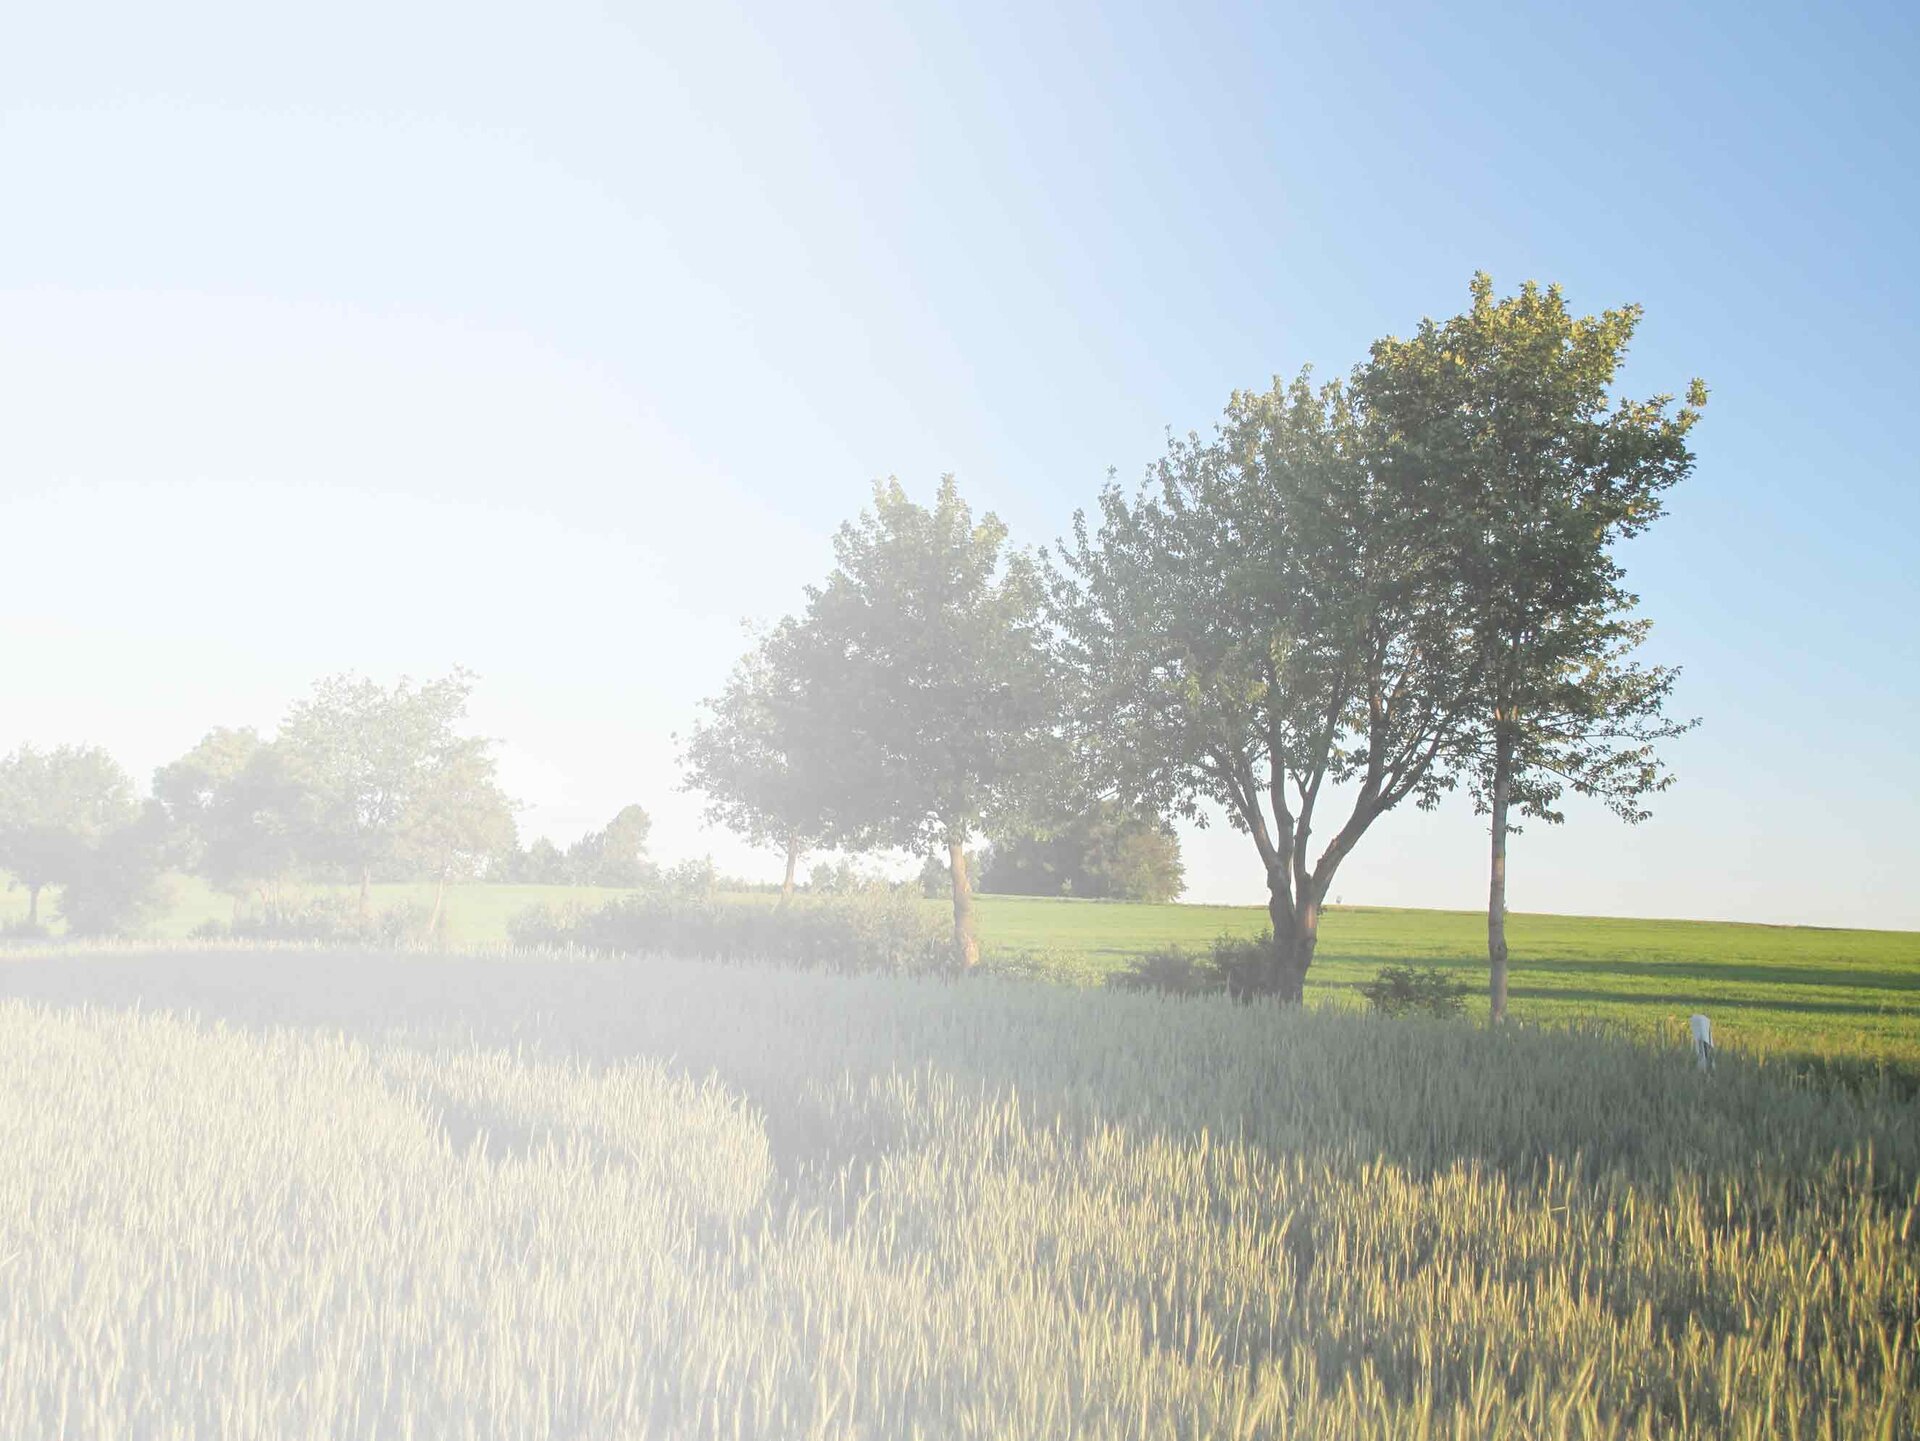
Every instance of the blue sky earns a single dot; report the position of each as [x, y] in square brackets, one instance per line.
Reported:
[553, 341]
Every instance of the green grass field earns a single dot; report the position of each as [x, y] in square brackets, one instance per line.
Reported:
[1800, 990]
[1842, 995]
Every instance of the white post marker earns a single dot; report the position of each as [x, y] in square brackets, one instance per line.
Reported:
[1703, 1042]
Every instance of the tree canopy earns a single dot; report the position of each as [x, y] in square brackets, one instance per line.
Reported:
[1268, 618]
[763, 758]
[457, 818]
[924, 655]
[372, 755]
[1505, 416]
[615, 855]
[362, 781]
[54, 806]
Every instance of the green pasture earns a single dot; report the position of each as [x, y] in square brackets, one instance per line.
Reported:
[1845, 996]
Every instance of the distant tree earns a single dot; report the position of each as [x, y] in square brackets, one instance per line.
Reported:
[1104, 852]
[189, 789]
[1270, 617]
[542, 864]
[924, 655]
[936, 874]
[1136, 860]
[115, 886]
[1505, 411]
[457, 819]
[615, 856]
[53, 806]
[761, 757]
[694, 878]
[369, 752]
[259, 827]
[846, 878]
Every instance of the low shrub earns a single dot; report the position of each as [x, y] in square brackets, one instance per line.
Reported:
[692, 879]
[1232, 965]
[1240, 962]
[873, 929]
[544, 927]
[1169, 970]
[1402, 991]
[330, 918]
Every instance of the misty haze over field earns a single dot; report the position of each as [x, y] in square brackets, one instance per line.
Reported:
[887, 722]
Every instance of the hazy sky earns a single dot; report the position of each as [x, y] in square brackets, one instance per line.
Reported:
[553, 340]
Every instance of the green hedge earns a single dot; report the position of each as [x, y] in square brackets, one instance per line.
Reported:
[876, 930]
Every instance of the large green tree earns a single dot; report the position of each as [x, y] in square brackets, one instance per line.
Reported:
[762, 757]
[1506, 415]
[924, 656]
[1267, 626]
[54, 806]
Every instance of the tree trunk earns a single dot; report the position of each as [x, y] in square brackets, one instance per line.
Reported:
[366, 891]
[1296, 931]
[793, 865]
[1497, 879]
[966, 944]
[33, 905]
[439, 899]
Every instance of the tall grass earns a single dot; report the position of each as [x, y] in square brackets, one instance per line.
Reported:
[388, 1196]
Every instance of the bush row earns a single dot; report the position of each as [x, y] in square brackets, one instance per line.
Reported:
[1231, 965]
[323, 919]
[872, 930]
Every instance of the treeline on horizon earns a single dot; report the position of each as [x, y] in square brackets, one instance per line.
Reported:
[368, 783]
[1352, 595]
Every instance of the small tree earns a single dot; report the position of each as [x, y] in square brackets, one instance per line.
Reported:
[615, 856]
[259, 827]
[924, 656]
[761, 759]
[1504, 412]
[369, 751]
[54, 805]
[457, 819]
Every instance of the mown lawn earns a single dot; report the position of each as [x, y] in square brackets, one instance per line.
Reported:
[1850, 996]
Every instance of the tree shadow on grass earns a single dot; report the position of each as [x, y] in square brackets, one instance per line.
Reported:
[1707, 997]
[1896, 981]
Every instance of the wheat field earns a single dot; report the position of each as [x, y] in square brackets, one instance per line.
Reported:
[291, 1194]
